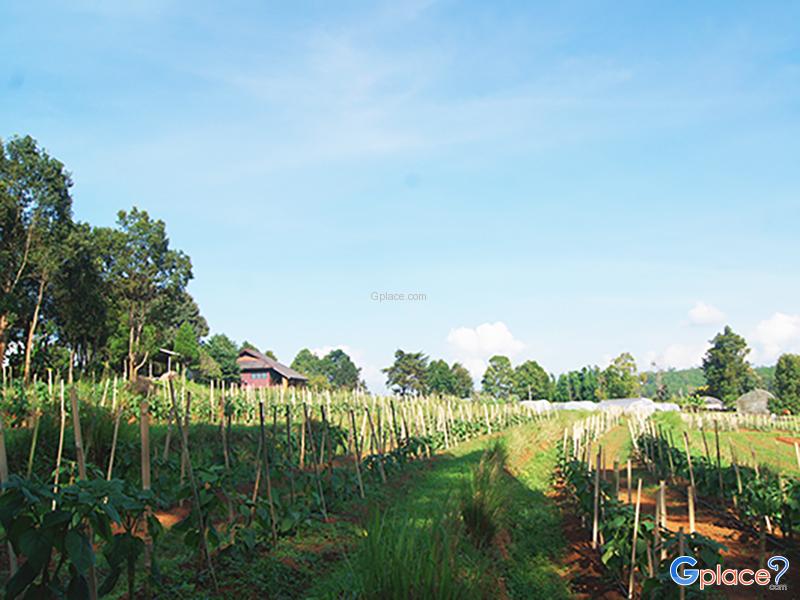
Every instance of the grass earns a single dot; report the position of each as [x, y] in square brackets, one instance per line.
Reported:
[487, 521]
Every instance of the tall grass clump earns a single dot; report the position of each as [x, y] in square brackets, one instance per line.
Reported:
[403, 559]
[482, 500]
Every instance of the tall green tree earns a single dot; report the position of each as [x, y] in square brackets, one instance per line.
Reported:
[620, 378]
[462, 381]
[149, 279]
[310, 365]
[224, 352]
[340, 370]
[408, 374]
[498, 380]
[787, 385]
[440, 379]
[531, 381]
[81, 305]
[307, 363]
[728, 374]
[35, 217]
[187, 345]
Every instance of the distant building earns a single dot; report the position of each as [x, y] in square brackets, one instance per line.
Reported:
[259, 370]
[711, 403]
[754, 403]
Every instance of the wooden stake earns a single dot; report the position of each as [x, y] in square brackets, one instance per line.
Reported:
[358, 454]
[289, 451]
[628, 483]
[144, 432]
[797, 453]
[193, 484]
[596, 511]
[76, 426]
[117, 419]
[689, 462]
[635, 536]
[616, 479]
[265, 466]
[690, 495]
[719, 464]
[380, 452]
[316, 466]
[12, 557]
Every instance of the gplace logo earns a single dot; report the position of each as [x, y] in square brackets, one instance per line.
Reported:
[718, 576]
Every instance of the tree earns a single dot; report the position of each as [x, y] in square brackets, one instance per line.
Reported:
[208, 369]
[187, 345]
[35, 217]
[149, 278]
[498, 380]
[80, 297]
[407, 375]
[224, 352]
[620, 379]
[340, 370]
[307, 363]
[531, 381]
[728, 374]
[440, 379]
[787, 385]
[462, 381]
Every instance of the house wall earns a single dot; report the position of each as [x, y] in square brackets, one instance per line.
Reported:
[257, 379]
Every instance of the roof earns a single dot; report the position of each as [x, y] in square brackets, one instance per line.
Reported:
[255, 360]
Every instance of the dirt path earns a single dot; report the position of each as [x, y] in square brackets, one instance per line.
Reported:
[581, 565]
[741, 545]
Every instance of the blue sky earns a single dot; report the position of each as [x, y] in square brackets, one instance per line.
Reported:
[562, 182]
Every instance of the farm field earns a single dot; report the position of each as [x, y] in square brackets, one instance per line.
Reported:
[200, 516]
[186, 491]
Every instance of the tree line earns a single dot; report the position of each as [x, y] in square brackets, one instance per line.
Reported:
[726, 374]
[78, 296]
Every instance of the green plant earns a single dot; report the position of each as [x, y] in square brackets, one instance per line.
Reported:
[482, 499]
[53, 533]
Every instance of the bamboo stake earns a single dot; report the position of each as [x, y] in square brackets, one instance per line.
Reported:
[144, 431]
[315, 465]
[380, 453]
[635, 536]
[12, 557]
[266, 467]
[117, 419]
[76, 426]
[60, 452]
[289, 451]
[797, 453]
[690, 495]
[689, 462]
[596, 510]
[193, 484]
[616, 479]
[719, 464]
[628, 484]
[358, 454]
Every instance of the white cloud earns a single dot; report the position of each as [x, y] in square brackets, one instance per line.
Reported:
[485, 340]
[778, 334]
[472, 346]
[705, 314]
[677, 356]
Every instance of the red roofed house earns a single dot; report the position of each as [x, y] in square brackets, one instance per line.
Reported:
[259, 370]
